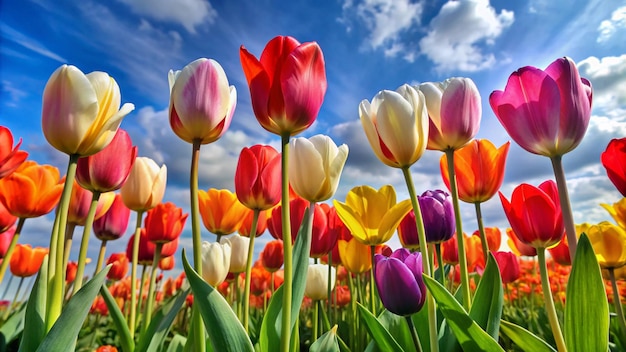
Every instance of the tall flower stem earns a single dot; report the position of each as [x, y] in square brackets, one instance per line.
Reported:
[7, 287]
[440, 264]
[101, 253]
[372, 281]
[196, 323]
[56, 291]
[147, 313]
[416, 339]
[246, 287]
[133, 276]
[421, 233]
[9, 308]
[329, 286]
[84, 242]
[315, 320]
[547, 295]
[617, 302]
[467, 299]
[9, 253]
[481, 231]
[287, 247]
[69, 236]
[566, 207]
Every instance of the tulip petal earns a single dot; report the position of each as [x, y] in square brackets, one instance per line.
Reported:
[306, 168]
[392, 219]
[395, 283]
[352, 220]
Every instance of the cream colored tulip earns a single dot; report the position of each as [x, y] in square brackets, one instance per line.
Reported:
[81, 113]
[215, 262]
[396, 125]
[239, 252]
[145, 186]
[317, 281]
[315, 166]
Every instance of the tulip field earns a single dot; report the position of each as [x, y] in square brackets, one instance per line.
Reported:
[328, 280]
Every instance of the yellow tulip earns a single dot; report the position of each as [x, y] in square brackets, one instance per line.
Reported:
[145, 186]
[372, 215]
[355, 256]
[81, 113]
[617, 211]
[609, 244]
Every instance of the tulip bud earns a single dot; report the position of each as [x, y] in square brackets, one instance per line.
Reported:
[238, 252]
[145, 186]
[215, 262]
[317, 281]
[399, 281]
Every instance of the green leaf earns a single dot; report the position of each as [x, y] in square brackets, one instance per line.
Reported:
[177, 344]
[586, 326]
[327, 342]
[119, 322]
[35, 314]
[377, 331]
[157, 331]
[62, 336]
[486, 307]
[468, 333]
[398, 328]
[12, 327]
[524, 339]
[224, 329]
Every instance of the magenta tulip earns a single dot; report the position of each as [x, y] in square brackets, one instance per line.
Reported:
[11, 157]
[114, 222]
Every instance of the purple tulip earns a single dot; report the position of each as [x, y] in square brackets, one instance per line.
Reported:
[399, 281]
[438, 215]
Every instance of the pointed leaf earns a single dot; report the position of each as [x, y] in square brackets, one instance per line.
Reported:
[377, 331]
[398, 328]
[486, 307]
[157, 331]
[524, 339]
[12, 327]
[36, 311]
[126, 341]
[327, 342]
[177, 344]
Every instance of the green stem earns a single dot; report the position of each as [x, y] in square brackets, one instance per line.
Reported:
[353, 300]
[481, 231]
[566, 207]
[246, 287]
[547, 294]
[196, 323]
[133, 275]
[6, 289]
[142, 285]
[12, 304]
[84, 242]
[467, 298]
[55, 290]
[69, 236]
[421, 233]
[9, 253]
[440, 263]
[147, 313]
[101, 253]
[287, 248]
[617, 302]
[416, 339]
[329, 286]
[315, 320]
[372, 282]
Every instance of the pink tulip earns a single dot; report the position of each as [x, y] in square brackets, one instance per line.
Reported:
[10, 156]
[545, 112]
[80, 202]
[114, 222]
[5, 240]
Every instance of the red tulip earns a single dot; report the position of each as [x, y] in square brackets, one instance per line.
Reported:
[322, 240]
[287, 85]
[6, 218]
[560, 253]
[297, 208]
[258, 177]
[120, 266]
[272, 255]
[167, 263]
[80, 202]
[5, 240]
[10, 156]
[114, 222]
[147, 248]
[508, 263]
[164, 223]
[450, 251]
[70, 272]
[517, 246]
[614, 161]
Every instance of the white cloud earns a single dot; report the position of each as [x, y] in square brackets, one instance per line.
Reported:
[17, 37]
[187, 13]
[609, 28]
[608, 79]
[13, 93]
[457, 34]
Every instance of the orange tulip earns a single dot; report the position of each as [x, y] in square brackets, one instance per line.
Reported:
[167, 263]
[10, 157]
[70, 272]
[494, 238]
[450, 251]
[119, 268]
[517, 246]
[479, 167]
[261, 226]
[32, 190]
[221, 211]
[164, 223]
[26, 261]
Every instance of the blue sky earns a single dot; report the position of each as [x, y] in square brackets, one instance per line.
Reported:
[368, 46]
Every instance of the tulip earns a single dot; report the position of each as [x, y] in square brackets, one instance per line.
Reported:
[297, 208]
[287, 85]
[341, 296]
[145, 186]
[164, 223]
[396, 125]
[113, 224]
[399, 281]
[508, 263]
[238, 252]
[7, 220]
[81, 113]
[617, 211]
[26, 261]
[438, 215]
[222, 214]
[272, 255]
[480, 167]
[246, 225]
[70, 272]
[535, 214]
[167, 263]
[372, 215]
[108, 169]
[119, 266]
[257, 178]
[450, 251]
[560, 253]
[146, 248]
[454, 111]
[613, 161]
[518, 247]
[202, 103]
[493, 236]
[80, 203]
[316, 165]
[609, 244]
[10, 156]
[323, 240]
[32, 190]
[316, 281]
[215, 262]
[355, 256]
[5, 240]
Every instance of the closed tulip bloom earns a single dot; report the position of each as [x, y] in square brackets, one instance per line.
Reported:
[272, 255]
[164, 223]
[11, 157]
[221, 212]
[450, 251]
[108, 169]
[614, 161]
[26, 261]
[32, 190]
[119, 266]
[80, 202]
[355, 256]
[518, 247]
[81, 113]
[546, 111]
[287, 84]
[145, 186]
[7, 220]
[238, 252]
[479, 167]
[535, 214]
[246, 225]
[454, 110]
[201, 101]
[167, 263]
[474, 254]
[438, 215]
[215, 262]
[297, 209]
[609, 244]
[70, 272]
[113, 224]
[372, 215]
[258, 177]
[407, 232]
[5, 240]
[315, 166]
[147, 249]
[399, 281]
[396, 125]
[508, 263]
[493, 236]
[317, 281]
[560, 253]
[323, 240]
